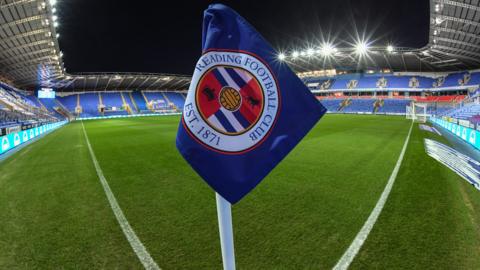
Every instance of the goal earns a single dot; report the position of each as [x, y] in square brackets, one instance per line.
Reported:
[417, 112]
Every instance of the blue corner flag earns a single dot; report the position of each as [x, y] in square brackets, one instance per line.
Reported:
[245, 110]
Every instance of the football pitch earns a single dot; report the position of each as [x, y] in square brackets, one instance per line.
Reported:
[54, 213]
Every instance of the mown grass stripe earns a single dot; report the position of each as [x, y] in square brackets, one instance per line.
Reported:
[129, 233]
[357, 243]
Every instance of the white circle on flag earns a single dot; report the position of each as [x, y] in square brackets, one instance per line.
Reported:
[233, 101]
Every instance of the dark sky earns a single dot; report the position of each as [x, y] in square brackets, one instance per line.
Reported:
[165, 36]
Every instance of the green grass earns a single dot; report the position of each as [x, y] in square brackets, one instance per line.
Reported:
[54, 214]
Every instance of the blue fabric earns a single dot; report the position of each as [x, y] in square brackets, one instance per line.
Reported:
[235, 175]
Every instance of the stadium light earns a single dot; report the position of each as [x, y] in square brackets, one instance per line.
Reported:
[54, 10]
[54, 18]
[390, 48]
[55, 24]
[327, 49]
[310, 52]
[281, 57]
[303, 53]
[295, 54]
[53, 2]
[57, 35]
[361, 48]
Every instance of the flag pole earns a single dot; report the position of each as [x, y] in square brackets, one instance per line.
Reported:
[224, 213]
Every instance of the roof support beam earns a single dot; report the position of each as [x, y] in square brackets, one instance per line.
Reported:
[22, 65]
[15, 3]
[459, 20]
[16, 59]
[453, 54]
[153, 83]
[22, 21]
[26, 34]
[27, 45]
[459, 4]
[456, 50]
[458, 42]
[455, 31]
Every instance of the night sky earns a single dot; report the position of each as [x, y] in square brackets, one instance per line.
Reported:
[153, 36]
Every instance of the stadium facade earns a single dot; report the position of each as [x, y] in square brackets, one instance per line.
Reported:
[362, 79]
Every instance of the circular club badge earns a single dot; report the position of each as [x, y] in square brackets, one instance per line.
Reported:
[232, 103]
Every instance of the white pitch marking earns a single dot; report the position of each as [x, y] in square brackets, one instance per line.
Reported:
[213, 119]
[357, 243]
[232, 119]
[132, 238]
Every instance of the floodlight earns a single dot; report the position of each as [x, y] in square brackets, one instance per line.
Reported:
[55, 24]
[53, 2]
[310, 52]
[57, 35]
[327, 49]
[361, 48]
[54, 18]
[390, 48]
[295, 54]
[281, 57]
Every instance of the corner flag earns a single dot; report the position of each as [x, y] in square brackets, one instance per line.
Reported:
[245, 110]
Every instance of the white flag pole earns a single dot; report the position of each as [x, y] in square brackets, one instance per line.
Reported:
[224, 213]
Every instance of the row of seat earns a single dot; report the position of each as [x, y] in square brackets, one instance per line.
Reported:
[389, 81]
[16, 107]
[114, 102]
[378, 105]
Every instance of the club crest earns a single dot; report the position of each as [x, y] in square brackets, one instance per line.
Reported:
[232, 103]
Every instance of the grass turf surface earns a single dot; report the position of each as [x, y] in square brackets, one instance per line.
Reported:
[54, 214]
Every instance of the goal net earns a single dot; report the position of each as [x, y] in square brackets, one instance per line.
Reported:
[417, 112]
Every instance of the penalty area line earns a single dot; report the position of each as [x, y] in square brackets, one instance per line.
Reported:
[132, 238]
[362, 235]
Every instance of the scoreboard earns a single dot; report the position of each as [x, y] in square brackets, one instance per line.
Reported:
[46, 93]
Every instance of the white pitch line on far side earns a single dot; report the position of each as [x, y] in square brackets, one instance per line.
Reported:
[357, 243]
[132, 238]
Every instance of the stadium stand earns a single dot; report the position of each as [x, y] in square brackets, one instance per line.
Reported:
[70, 102]
[129, 101]
[18, 109]
[89, 103]
[176, 98]
[112, 104]
[139, 100]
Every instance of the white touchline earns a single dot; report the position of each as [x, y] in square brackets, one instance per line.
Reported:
[132, 238]
[357, 243]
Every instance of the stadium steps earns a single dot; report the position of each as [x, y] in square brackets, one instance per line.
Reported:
[133, 101]
[64, 110]
[139, 100]
[78, 106]
[169, 101]
[146, 101]
[100, 99]
[41, 104]
[377, 105]
[125, 104]
[345, 103]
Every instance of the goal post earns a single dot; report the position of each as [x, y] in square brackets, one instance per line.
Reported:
[417, 112]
